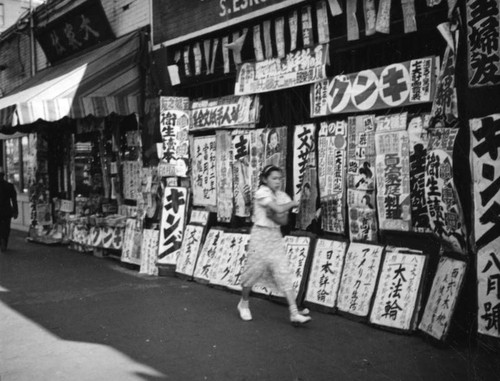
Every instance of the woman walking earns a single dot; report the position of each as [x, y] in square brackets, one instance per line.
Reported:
[267, 254]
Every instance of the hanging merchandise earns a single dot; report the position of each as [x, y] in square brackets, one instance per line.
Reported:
[188, 255]
[206, 258]
[443, 203]
[322, 22]
[397, 299]
[279, 31]
[303, 146]
[149, 251]
[224, 175]
[352, 21]
[409, 19]
[444, 111]
[370, 13]
[242, 174]
[275, 143]
[485, 170]
[307, 26]
[293, 25]
[257, 43]
[384, 17]
[359, 277]
[332, 152]
[203, 171]
[443, 297]
[326, 270]
[132, 239]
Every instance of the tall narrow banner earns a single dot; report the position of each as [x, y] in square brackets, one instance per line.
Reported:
[485, 169]
[443, 204]
[256, 157]
[293, 24]
[398, 293]
[332, 155]
[174, 126]
[370, 13]
[444, 111]
[206, 55]
[308, 195]
[361, 197]
[225, 54]
[325, 274]
[197, 58]
[267, 39]
[409, 19]
[275, 142]
[173, 218]
[242, 174]
[352, 21]
[257, 43]
[207, 255]
[443, 297]
[322, 22]
[132, 237]
[149, 251]
[224, 168]
[190, 249]
[483, 52]
[307, 26]
[393, 180]
[204, 177]
[419, 141]
[279, 30]
[397, 85]
[359, 277]
[187, 65]
[303, 144]
[384, 16]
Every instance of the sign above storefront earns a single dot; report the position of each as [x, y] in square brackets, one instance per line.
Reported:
[175, 21]
[396, 85]
[79, 29]
[298, 68]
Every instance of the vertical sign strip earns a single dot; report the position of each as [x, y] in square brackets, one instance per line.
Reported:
[187, 68]
[257, 43]
[206, 54]
[370, 13]
[293, 24]
[322, 22]
[384, 17]
[224, 176]
[410, 22]
[197, 58]
[204, 172]
[225, 54]
[267, 39]
[307, 27]
[352, 21]
[303, 144]
[275, 143]
[242, 175]
[279, 31]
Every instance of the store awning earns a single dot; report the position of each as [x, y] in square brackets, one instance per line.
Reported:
[99, 83]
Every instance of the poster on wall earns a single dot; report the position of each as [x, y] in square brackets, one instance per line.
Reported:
[132, 238]
[204, 176]
[207, 255]
[298, 68]
[419, 141]
[275, 143]
[132, 179]
[443, 205]
[229, 111]
[304, 144]
[359, 277]
[149, 250]
[325, 273]
[188, 255]
[443, 297]
[483, 50]
[174, 127]
[173, 219]
[307, 213]
[242, 173]
[256, 157]
[397, 85]
[332, 176]
[397, 298]
[485, 169]
[224, 175]
[393, 180]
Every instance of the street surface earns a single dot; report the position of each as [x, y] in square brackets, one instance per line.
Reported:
[65, 315]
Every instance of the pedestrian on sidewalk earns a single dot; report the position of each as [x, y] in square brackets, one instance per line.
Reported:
[8, 209]
[267, 259]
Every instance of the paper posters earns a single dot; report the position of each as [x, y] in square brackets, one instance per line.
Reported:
[352, 21]
[267, 39]
[149, 251]
[188, 255]
[257, 43]
[443, 297]
[224, 175]
[132, 239]
[359, 277]
[199, 217]
[384, 16]
[275, 143]
[207, 255]
[307, 209]
[325, 274]
[370, 13]
[204, 177]
[256, 157]
[398, 292]
[293, 22]
[444, 111]
[279, 28]
[307, 26]
[485, 169]
[242, 174]
[132, 175]
[322, 22]
[304, 144]
[173, 218]
[409, 16]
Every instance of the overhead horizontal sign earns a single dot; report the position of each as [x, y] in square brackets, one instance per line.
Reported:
[298, 68]
[396, 85]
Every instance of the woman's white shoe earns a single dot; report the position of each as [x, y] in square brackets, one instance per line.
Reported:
[245, 313]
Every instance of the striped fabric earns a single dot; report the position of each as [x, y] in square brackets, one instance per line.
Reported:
[103, 81]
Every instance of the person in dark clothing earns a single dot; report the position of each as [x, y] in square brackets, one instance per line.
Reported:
[8, 209]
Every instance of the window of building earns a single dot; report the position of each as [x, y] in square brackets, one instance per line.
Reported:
[20, 161]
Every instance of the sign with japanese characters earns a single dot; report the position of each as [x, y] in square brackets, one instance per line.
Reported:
[359, 277]
[132, 179]
[242, 173]
[188, 255]
[106, 237]
[485, 169]
[132, 238]
[363, 225]
[444, 112]
[199, 217]
[224, 175]
[307, 210]
[483, 34]
[256, 157]
[443, 205]
[397, 85]
[173, 219]
[443, 297]
[332, 157]
[275, 142]
[174, 127]
[80, 28]
[295, 69]
[207, 256]
[204, 176]
[149, 251]
[398, 292]
[325, 273]
[304, 144]
[230, 111]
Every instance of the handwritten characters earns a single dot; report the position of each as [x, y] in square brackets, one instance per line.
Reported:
[204, 176]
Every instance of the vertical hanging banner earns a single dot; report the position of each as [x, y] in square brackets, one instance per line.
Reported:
[149, 251]
[187, 65]
[370, 13]
[352, 21]
[206, 55]
[215, 45]
[332, 155]
[443, 204]
[204, 177]
[326, 270]
[307, 26]
[398, 293]
[275, 141]
[242, 174]
[384, 17]
[256, 157]
[257, 43]
[485, 169]
[361, 198]
[322, 22]
[443, 297]
[224, 175]
[483, 52]
[306, 215]
[409, 19]
[188, 254]
[174, 126]
[444, 111]
[293, 24]
[267, 39]
[173, 218]
[132, 237]
[335, 8]
[197, 58]
[207, 255]
[393, 180]
[303, 144]
[359, 277]
[419, 141]
[279, 30]
[225, 54]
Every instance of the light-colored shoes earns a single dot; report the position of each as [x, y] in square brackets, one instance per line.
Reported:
[245, 313]
[299, 319]
[304, 311]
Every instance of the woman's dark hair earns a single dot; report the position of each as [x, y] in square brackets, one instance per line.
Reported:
[266, 171]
